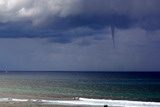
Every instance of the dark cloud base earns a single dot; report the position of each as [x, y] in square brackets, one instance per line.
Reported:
[92, 14]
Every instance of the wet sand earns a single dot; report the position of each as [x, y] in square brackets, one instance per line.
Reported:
[11, 104]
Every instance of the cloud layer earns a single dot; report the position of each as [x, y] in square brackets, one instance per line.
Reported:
[13, 10]
[80, 34]
[60, 19]
[37, 11]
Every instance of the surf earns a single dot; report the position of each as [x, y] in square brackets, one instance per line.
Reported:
[86, 102]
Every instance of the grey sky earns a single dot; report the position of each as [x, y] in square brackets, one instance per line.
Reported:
[76, 35]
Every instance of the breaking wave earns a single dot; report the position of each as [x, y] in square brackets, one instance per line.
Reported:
[87, 102]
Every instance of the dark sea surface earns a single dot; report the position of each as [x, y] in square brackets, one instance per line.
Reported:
[139, 86]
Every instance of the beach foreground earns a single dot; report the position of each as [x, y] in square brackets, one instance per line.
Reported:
[77, 102]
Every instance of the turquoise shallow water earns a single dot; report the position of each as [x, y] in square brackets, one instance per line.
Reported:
[125, 86]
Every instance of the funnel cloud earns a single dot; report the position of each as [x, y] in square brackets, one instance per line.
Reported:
[113, 34]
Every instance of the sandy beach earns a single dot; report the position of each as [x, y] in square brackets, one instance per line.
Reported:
[7, 104]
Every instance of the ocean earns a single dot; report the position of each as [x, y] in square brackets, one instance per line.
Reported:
[134, 86]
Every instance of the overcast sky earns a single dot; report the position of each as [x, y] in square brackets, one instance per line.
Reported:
[75, 35]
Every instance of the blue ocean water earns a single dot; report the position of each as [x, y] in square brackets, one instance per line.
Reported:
[139, 86]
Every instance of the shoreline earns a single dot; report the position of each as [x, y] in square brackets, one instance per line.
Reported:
[63, 97]
[75, 102]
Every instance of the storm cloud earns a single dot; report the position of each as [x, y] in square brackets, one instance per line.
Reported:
[77, 35]
[61, 18]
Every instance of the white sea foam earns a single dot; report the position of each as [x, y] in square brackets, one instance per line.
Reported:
[75, 102]
[122, 103]
[88, 102]
[4, 99]
[19, 100]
